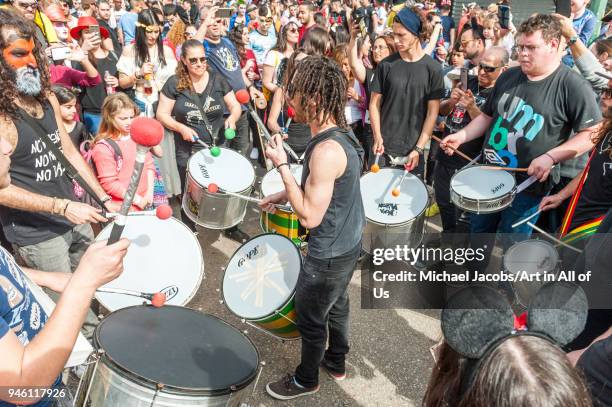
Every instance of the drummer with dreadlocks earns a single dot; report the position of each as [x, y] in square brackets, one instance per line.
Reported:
[328, 202]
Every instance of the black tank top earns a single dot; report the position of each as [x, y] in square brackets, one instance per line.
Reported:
[35, 168]
[341, 227]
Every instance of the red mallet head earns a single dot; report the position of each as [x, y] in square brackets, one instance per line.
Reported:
[243, 97]
[146, 132]
[213, 188]
[158, 300]
[163, 212]
[290, 112]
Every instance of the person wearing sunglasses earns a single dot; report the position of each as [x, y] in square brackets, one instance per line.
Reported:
[263, 39]
[45, 34]
[459, 108]
[193, 91]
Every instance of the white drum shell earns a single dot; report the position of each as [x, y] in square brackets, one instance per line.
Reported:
[485, 205]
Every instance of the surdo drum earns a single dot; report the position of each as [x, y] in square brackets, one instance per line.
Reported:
[283, 222]
[390, 220]
[530, 257]
[259, 284]
[480, 190]
[168, 356]
[231, 172]
[164, 255]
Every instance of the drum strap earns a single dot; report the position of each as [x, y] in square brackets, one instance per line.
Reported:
[197, 99]
[569, 214]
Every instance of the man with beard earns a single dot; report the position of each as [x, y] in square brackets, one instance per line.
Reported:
[46, 227]
[472, 45]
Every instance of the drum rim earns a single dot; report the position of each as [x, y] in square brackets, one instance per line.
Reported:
[539, 241]
[189, 176]
[402, 223]
[197, 220]
[462, 198]
[512, 190]
[177, 390]
[201, 274]
[259, 318]
[261, 183]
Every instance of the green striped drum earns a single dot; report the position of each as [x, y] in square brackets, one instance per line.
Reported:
[259, 284]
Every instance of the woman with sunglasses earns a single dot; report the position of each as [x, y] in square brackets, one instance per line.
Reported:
[193, 91]
[284, 48]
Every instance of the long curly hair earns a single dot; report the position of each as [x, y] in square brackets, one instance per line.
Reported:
[318, 79]
[14, 20]
[176, 35]
[182, 74]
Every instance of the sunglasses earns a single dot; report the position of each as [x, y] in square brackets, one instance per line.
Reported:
[292, 30]
[266, 19]
[487, 68]
[193, 61]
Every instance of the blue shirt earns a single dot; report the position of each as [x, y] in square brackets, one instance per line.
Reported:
[127, 23]
[447, 24]
[20, 312]
[261, 44]
[584, 26]
[223, 58]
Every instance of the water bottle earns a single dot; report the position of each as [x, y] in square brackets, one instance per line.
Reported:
[148, 84]
[109, 89]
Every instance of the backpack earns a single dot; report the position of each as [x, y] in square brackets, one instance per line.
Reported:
[86, 149]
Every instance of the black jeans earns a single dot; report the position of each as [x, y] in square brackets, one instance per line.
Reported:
[322, 305]
[441, 182]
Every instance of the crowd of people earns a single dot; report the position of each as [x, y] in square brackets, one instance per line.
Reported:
[345, 84]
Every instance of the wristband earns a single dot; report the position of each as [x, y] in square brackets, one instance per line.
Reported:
[572, 40]
[419, 150]
[552, 158]
[280, 165]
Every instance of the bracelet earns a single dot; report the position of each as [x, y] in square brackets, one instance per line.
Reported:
[419, 150]
[552, 158]
[280, 165]
[53, 210]
[66, 206]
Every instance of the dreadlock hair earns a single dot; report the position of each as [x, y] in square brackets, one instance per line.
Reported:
[318, 86]
[14, 20]
[182, 74]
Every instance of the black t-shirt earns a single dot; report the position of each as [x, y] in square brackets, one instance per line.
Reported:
[533, 117]
[78, 134]
[596, 197]
[186, 110]
[369, 77]
[471, 148]
[91, 98]
[596, 364]
[406, 88]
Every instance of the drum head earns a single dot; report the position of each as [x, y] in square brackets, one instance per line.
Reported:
[382, 207]
[230, 170]
[272, 182]
[261, 276]
[481, 184]
[163, 253]
[179, 348]
[531, 256]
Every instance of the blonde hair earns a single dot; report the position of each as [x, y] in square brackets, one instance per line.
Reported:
[111, 107]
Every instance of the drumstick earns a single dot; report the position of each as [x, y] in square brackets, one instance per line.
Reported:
[243, 98]
[456, 150]
[162, 212]
[214, 188]
[146, 133]
[562, 243]
[157, 299]
[495, 167]
[214, 150]
[396, 191]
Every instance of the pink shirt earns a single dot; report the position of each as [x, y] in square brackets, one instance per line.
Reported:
[115, 182]
[70, 77]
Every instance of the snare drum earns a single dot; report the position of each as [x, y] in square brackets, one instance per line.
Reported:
[530, 257]
[231, 172]
[163, 253]
[168, 356]
[282, 222]
[259, 284]
[479, 190]
[390, 220]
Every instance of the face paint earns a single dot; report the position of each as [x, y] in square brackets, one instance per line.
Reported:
[19, 54]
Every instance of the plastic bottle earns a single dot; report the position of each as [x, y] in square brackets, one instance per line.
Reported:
[109, 89]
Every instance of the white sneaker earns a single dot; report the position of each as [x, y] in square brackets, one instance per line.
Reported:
[254, 154]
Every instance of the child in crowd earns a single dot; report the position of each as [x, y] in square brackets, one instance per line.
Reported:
[67, 100]
[113, 169]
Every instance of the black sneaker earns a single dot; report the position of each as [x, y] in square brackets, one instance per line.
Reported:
[333, 373]
[287, 389]
[236, 235]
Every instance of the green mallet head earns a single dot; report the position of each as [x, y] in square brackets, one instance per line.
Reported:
[230, 133]
[215, 151]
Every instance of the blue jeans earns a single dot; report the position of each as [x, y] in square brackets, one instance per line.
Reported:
[92, 122]
[485, 227]
[322, 305]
